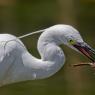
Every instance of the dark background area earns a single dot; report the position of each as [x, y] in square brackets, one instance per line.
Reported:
[19, 17]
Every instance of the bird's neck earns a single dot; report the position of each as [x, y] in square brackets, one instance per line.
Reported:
[52, 58]
[51, 52]
[52, 61]
[48, 46]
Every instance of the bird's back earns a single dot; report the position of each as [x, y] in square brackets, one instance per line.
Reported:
[6, 37]
[10, 50]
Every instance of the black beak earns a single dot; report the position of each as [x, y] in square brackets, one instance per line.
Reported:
[86, 50]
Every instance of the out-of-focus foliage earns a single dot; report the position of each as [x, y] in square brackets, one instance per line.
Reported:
[19, 17]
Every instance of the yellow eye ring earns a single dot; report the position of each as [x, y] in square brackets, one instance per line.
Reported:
[71, 42]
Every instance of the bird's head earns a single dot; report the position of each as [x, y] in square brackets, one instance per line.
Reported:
[72, 38]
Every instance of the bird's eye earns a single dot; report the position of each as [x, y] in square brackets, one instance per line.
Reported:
[71, 42]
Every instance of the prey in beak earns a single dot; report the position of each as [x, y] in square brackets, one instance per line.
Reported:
[89, 52]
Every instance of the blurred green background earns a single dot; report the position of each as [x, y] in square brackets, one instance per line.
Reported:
[19, 17]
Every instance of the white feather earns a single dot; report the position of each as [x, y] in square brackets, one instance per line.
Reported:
[17, 64]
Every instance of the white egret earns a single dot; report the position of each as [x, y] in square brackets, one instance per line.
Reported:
[17, 64]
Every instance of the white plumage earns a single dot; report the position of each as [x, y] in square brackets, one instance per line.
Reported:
[17, 64]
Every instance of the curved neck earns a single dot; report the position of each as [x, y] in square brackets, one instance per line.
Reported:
[42, 68]
[52, 57]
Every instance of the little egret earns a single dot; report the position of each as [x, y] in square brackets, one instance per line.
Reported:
[17, 64]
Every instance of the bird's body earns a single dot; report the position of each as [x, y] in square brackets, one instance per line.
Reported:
[17, 64]
[11, 51]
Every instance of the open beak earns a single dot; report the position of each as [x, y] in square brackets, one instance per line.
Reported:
[86, 50]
